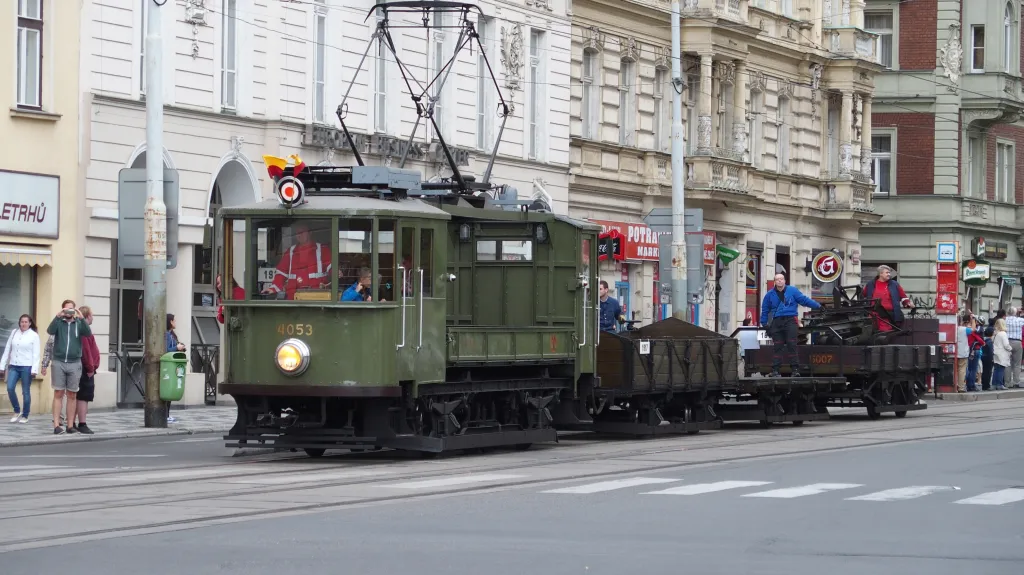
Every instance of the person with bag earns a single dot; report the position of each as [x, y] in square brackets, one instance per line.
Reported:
[779, 316]
[21, 356]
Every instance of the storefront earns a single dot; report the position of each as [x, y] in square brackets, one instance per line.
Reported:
[630, 269]
[29, 232]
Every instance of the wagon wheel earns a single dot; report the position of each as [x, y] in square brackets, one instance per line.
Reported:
[873, 412]
[314, 452]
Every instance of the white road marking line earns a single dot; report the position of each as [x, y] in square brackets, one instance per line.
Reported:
[305, 477]
[451, 481]
[611, 485]
[70, 456]
[812, 489]
[902, 493]
[701, 488]
[193, 440]
[1002, 497]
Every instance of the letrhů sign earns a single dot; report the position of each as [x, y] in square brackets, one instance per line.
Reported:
[639, 242]
[29, 205]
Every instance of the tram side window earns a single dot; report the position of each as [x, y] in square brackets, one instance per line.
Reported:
[386, 259]
[355, 249]
[427, 261]
[406, 253]
[293, 258]
[232, 257]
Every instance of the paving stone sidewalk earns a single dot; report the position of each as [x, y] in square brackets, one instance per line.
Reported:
[990, 395]
[116, 425]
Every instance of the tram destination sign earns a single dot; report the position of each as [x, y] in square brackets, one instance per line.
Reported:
[317, 136]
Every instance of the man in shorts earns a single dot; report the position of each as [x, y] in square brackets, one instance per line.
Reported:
[67, 330]
[87, 385]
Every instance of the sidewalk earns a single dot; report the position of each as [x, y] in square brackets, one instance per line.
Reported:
[1011, 393]
[116, 425]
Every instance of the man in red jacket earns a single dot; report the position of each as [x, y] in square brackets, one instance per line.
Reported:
[306, 265]
[87, 385]
[237, 293]
[890, 295]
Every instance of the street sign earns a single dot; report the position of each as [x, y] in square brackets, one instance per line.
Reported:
[131, 208]
[660, 220]
[946, 252]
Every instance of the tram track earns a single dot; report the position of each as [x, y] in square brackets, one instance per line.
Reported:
[662, 445]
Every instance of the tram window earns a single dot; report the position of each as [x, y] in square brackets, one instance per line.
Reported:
[386, 259]
[232, 256]
[292, 259]
[517, 250]
[427, 261]
[486, 250]
[406, 252]
[355, 250]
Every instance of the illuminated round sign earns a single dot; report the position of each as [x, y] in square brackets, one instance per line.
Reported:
[827, 267]
[290, 190]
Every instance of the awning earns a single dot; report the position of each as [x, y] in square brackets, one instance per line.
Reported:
[15, 255]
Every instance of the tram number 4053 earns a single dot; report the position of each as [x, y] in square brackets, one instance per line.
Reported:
[822, 358]
[294, 329]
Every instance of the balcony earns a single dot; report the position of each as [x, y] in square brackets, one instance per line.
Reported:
[844, 200]
[729, 9]
[992, 98]
[852, 43]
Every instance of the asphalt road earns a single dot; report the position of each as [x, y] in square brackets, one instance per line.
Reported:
[937, 492]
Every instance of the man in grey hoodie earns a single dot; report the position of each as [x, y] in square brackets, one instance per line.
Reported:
[67, 330]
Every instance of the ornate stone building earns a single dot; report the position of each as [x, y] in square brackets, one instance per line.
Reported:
[775, 96]
[948, 145]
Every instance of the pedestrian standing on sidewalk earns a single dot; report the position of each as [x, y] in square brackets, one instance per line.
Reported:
[21, 356]
[87, 385]
[963, 349]
[1003, 353]
[67, 330]
[1014, 328]
[172, 345]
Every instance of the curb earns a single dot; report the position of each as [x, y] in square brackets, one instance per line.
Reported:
[981, 396]
[79, 438]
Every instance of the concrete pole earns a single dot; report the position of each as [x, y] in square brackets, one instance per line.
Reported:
[155, 273]
[680, 301]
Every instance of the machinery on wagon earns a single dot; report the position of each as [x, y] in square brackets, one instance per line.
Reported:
[373, 309]
[886, 370]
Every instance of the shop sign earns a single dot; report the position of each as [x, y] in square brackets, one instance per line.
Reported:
[975, 272]
[639, 242]
[709, 248]
[29, 205]
[946, 252]
[947, 290]
[827, 267]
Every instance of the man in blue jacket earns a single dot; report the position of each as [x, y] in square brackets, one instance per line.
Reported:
[778, 315]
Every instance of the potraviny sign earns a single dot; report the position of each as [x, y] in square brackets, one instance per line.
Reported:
[641, 242]
[29, 205]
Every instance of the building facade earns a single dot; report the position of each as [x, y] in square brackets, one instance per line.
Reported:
[244, 78]
[776, 94]
[946, 146]
[41, 206]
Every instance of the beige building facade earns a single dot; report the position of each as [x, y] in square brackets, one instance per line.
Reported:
[776, 107]
[41, 205]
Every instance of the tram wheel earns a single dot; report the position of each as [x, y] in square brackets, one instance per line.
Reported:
[872, 411]
[901, 414]
[523, 446]
[798, 422]
[314, 452]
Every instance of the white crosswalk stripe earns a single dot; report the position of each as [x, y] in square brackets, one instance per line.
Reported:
[803, 491]
[1002, 497]
[612, 485]
[453, 481]
[702, 488]
[902, 493]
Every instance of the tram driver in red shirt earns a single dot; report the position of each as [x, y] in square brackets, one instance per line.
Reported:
[306, 265]
[887, 292]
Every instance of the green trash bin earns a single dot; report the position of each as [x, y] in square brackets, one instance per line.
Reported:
[172, 376]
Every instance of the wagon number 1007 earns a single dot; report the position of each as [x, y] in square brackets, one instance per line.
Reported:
[294, 329]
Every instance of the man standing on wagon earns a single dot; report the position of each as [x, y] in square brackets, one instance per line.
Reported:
[778, 315]
[887, 292]
[306, 265]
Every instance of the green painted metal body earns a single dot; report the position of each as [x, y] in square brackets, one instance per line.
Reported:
[492, 313]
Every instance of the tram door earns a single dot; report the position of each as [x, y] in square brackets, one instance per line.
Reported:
[423, 305]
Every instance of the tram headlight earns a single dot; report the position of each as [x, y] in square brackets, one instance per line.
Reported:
[292, 356]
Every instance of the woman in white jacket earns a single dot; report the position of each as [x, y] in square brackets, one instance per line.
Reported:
[21, 356]
[1001, 354]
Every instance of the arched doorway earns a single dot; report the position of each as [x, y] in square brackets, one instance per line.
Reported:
[234, 183]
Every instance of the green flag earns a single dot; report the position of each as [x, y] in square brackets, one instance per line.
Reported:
[726, 254]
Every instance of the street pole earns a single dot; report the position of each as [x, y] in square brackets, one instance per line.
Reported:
[680, 305]
[155, 272]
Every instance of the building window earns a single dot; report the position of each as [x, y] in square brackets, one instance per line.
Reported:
[975, 166]
[977, 48]
[17, 296]
[437, 47]
[726, 113]
[755, 128]
[380, 84]
[784, 139]
[1004, 173]
[787, 8]
[30, 53]
[881, 23]
[660, 141]
[881, 163]
[484, 108]
[229, 57]
[144, 28]
[692, 91]
[319, 62]
[1009, 39]
[835, 102]
[536, 78]
[627, 102]
[591, 99]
